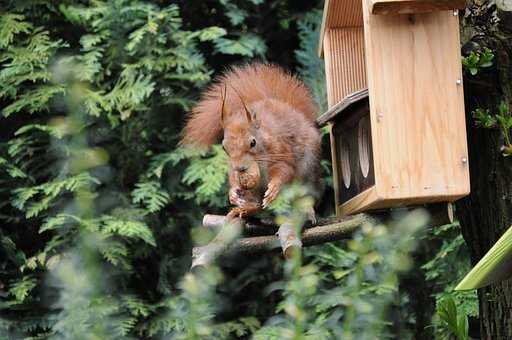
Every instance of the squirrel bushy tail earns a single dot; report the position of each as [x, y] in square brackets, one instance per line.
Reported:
[253, 83]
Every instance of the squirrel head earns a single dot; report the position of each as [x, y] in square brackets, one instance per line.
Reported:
[242, 142]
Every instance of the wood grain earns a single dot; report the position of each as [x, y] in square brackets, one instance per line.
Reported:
[344, 62]
[335, 175]
[367, 200]
[412, 68]
[386, 7]
[346, 13]
[417, 106]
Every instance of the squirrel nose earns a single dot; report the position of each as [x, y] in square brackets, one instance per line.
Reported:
[241, 168]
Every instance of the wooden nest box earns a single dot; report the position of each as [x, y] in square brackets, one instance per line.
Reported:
[396, 106]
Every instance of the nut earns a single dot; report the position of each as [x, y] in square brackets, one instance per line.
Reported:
[250, 178]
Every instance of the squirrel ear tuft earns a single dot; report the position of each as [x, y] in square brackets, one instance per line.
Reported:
[254, 120]
[223, 95]
[248, 114]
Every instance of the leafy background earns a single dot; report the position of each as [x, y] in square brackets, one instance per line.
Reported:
[100, 209]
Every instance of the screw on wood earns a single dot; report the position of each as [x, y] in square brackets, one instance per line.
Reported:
[380, 116]
[455, 13]
[464, 160]
[459, 81]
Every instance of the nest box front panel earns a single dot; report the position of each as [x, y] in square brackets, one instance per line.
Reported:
[417, 106]
[354, 153]
[411, 66]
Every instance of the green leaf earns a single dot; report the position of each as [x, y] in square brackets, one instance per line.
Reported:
[56, 131]
[151, 195]
[135, 38]
[477, 60]
[447, 311]
[117, 254]
[483, 118]
[48, 192]
[55, 222]
[235, 14]
[462, 327]
[21, 289]
[12, 170]
[212, 33]
[34, 100]
[127, 228]
[492, 266]
[11, 25]
[503, 108]
[208, 174]
[174, 157]
[247, 45]
[88, 41]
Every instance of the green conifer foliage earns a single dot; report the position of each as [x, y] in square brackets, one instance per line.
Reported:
[97, 201]
[99, 208]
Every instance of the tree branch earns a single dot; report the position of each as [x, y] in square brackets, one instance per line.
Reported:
[336, 230]
[326, 230]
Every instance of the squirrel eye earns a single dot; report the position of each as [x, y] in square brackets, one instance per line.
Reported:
[253, 143]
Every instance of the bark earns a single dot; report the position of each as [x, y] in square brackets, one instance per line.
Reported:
[487, 212]
[336, 230]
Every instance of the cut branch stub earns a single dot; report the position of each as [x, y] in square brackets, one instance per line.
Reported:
[229, 231]
[289, 240]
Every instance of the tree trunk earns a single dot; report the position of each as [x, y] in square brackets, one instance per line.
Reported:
[487, 212]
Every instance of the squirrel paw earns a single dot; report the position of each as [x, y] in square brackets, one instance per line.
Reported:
[271, 194]
[235, 197]
[236, 212]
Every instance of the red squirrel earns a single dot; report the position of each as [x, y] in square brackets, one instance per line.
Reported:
[265, 118]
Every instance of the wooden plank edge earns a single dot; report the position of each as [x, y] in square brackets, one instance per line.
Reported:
[322, 29]
[364, 201]
[334, 162]
[394, 7]
[440, 208]
[345, 103]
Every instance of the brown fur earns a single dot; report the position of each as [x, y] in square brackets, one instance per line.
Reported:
[264, 105]
[254, 82]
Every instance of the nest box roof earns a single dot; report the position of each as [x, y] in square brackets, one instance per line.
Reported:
[347, 103]
[349, 13]
[340, 13]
